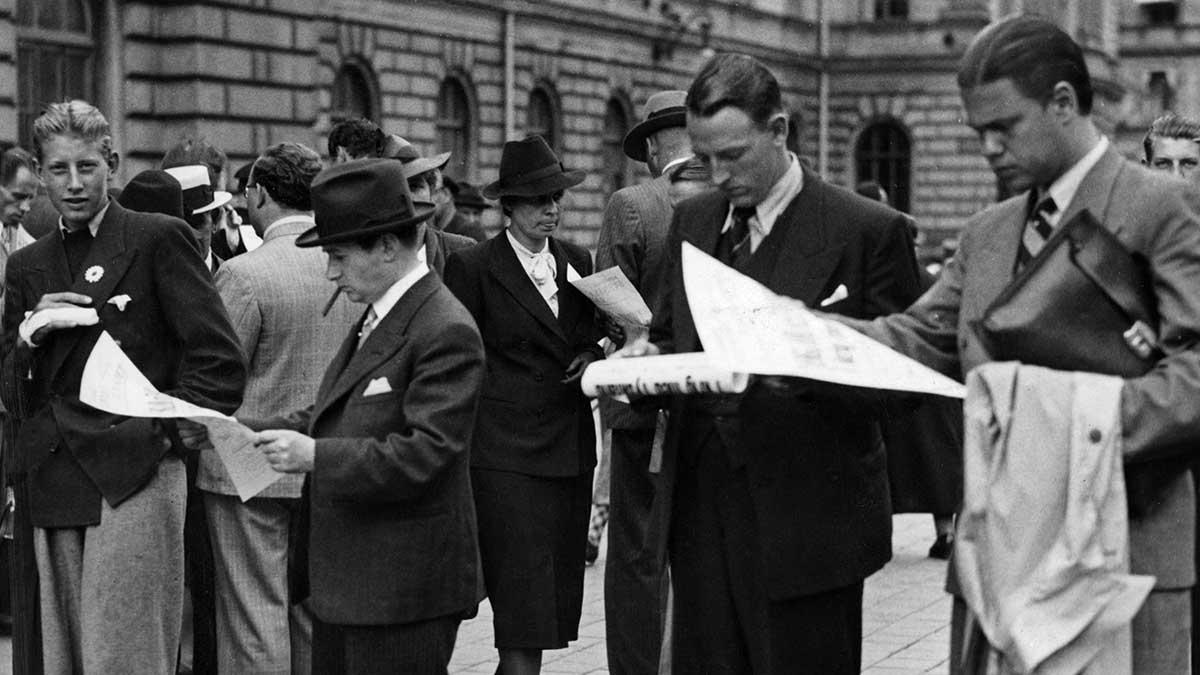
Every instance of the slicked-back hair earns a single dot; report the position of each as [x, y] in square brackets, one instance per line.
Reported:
[359, 136]
[197, 151]
[1170, 125]
[286, 172]
[1032, 52]
[12, 161]
[735, 80]
[72, 118]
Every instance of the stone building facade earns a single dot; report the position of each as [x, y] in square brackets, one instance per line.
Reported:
[870, 81]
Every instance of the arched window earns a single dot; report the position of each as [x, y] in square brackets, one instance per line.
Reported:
[541, 116]
[56, 57]
[455, 128]
[355, 92]
[883, 155]
[616, 125]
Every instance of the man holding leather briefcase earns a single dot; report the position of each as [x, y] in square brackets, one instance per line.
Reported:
[1027, 93]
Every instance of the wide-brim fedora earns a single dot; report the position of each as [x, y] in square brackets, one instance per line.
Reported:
[662, 110]
[359, 199]
[529, 168]
[198, 194]
[396, 147]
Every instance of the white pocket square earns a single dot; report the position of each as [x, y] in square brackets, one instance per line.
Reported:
[376, 386]
[119, 300]
[839, 293]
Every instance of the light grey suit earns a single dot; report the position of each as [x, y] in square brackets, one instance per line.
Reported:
[633, 237]
[1158, 218]
[274, 296]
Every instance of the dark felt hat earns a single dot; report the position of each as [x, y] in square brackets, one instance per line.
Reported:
[663, 109]
[470, 197]
[361, 198]
[153, 191]
[529, 168]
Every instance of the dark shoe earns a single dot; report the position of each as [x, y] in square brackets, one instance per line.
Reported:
[941, 547]
[593, 552]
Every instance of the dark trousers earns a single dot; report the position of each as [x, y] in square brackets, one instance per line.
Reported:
[724, 620]
[422, 647]
[201, 576]
[634, 583]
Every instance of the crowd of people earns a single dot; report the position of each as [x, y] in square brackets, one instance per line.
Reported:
[416, 385]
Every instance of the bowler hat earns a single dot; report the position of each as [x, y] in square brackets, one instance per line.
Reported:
[361, 198]
[153, 191]
[395, 147]
[529, 168]
[198, 194]
[663, 109]
[470, 197]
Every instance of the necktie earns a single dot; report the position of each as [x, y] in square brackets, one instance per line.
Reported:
[733, 248]
[543, 269]
[368, 325]
[1037, 231]
[77, 244]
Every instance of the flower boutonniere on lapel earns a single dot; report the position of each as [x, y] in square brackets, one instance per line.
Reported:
[93, 274]
[119, 301]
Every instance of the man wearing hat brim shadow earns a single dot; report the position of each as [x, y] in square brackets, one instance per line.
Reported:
[390, 557]
[470, 205]
[200, 204]
[633, 236]
[424, 180]
[445, 216]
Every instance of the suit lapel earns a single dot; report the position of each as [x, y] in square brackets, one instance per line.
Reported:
[799, 255]
[1096, 190]
[504, 266]
[385, 340]
[105, 265]
[703, 234]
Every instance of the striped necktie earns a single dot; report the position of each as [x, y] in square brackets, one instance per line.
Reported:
[1037, 231]
[368, 325]
[733, 247]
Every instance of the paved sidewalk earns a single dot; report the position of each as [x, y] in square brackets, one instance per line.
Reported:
[905, 617]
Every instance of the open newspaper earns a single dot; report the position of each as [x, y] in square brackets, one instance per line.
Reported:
[113, 383]
[746, 328]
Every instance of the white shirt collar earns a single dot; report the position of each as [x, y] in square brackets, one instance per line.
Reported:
[392, 295]
[1063, 189]
[772, 206]
[208, 258]
[305, 218]
[93, 224]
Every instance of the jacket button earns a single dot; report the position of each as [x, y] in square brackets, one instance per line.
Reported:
[538, 377]
[54, 447]
[1094, 435]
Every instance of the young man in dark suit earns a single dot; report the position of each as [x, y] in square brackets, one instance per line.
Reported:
[778, 496]
[1027, 93]
[106, 492]
[393, 558]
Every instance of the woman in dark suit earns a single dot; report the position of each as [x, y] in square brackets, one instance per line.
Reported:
[534, 444]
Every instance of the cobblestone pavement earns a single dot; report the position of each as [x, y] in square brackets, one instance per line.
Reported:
[905, 617]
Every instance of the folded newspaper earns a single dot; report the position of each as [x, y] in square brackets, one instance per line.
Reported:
[746, 328]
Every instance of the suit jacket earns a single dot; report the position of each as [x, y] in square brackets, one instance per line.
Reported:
[274, 295]
[439, 245]
[174, 328]
[633, 236]
[1158, 218]
[392, 537]
[529, 421]
[814, 459]
[220, 246]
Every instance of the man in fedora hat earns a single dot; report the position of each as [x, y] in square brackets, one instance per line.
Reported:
[470, 204]
[393, 558]
[200, 204]
[430, 170]
[422, 176]
[633, 236]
